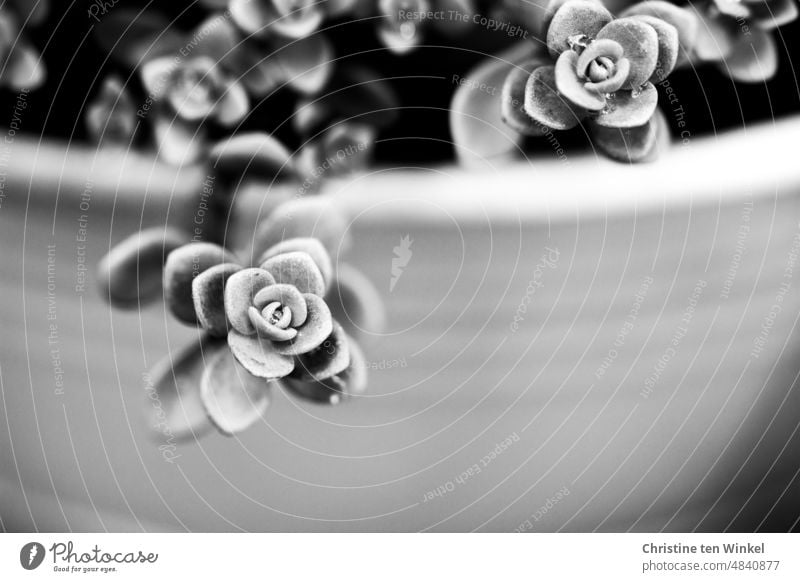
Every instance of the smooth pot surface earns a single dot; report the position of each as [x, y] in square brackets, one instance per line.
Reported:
[605, 366]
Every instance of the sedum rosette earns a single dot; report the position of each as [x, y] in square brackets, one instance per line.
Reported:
[603, 77]
[287, 321]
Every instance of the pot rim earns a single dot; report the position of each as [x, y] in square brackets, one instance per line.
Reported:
[752, 162]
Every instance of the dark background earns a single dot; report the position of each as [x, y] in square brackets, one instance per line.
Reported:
[76, 66]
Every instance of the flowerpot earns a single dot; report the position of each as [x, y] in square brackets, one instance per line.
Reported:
[570, 346]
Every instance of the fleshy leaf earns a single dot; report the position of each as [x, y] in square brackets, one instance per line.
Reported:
[550, 9]
[683, 19]
[251, 153]
[131, 274]
[313, 217]
[259, 356]
[240, 290]
[513, 98]
[330, 358]
[400, 25]
[639, 42]
[716, 37]
[296, 20]
[336, 8]
[310, 246]
[599, 48]
[111, 118]
[265, 329]
[476, 118]
[178, 142]
[615, 82]
[455, 26]
[218, 38]
[317, 326]
[132, 37]
[233, 106]
[333, 390]
[574, 19]
[572, 87]
[156, 74]
[754, 58]
[182, 266]
[32, 12]
[663, 137]
[300, 22]
[355, 302]
[24, 68]
[629, 145]
[307, 63]
[312, 115]
[286, 295]
[349, 144]
[771, 15]
[344, 148]
[627, 110]
[544, 104]
[208, 293]
[174, 407]
[232, 397]
[194, 87]
[298, 269]
[251, 16]
[668, 47]
[258, 72]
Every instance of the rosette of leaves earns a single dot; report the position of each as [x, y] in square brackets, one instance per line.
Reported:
[600, 72]
[288, 321]
[737, 35]
[211, 75]
[402, 22]
[273, 324]
[22, 66]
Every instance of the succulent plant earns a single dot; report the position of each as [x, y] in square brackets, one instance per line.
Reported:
[211, 74]
[403, 21]
[603, 76]
[196, 89]
[737, 36]
[259, 326]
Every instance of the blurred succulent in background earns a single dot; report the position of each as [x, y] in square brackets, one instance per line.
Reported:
[196, 89]
[212, 74]
[289, 18]
[22, 66]
[111, 116]
[402, 22]
[736, 35]
[275, 323]
[340, 150]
